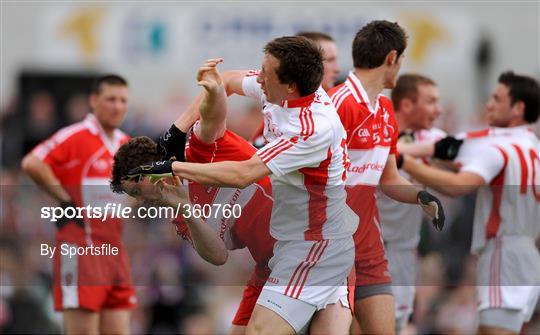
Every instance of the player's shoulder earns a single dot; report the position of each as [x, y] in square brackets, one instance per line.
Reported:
[122, 136]
[72, 132]
[342, 97]
[386, 101]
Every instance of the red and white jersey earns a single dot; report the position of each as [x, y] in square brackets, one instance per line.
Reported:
[372, 134]
[307, 156]
[372, 131]
[251, 228]
[508, 160]
[401, 222]
[81, 157]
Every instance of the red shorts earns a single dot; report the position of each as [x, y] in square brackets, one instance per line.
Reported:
[249, 300]
[92, 282]
[371, 265]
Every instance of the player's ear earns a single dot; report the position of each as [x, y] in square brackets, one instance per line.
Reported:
[405, 105]
[518, 110]
[92, 100]
[391, 58]
[291, 88]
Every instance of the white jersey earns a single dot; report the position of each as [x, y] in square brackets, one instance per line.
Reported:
[508, 160]
[306, 153]
[401, 222]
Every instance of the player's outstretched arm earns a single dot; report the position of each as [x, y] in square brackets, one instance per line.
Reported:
[400, 189]
[42, 175]
[233, 81]
[395, 186]
[205, 240]
[225, 174]
[446, 182]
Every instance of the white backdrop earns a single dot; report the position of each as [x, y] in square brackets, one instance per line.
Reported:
[158, 47]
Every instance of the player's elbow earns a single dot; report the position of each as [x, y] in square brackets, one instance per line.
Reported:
[232, 80]
[29, 163]
[219, 258]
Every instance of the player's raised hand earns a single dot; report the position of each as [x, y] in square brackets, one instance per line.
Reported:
[433, 207]
[209, 76]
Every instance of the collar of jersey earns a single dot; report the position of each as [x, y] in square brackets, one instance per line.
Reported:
[298, 103]
[95, 128]
[360, 94]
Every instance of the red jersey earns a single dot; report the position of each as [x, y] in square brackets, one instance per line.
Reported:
[251, 229]
[81, 157]
[372, 134]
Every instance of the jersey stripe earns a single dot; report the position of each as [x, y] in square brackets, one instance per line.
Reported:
[276, 150]
[300, 266]
[305, 266]
[497, 186]
[356, 90]
[342, 96]
[338, 94]
[302, 118]
[42, 150]
[315, 181]
[524, 169]
[325, 244]
[477, 134]
[267, 150]
[534, 159]
[310, 122]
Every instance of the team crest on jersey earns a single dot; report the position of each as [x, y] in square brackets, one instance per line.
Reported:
[269, 124]
[363, 132]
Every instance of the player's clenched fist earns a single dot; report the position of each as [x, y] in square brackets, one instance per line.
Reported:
[208, 75]
[433, 207]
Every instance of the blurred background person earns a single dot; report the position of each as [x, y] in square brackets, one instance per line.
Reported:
[94, 292]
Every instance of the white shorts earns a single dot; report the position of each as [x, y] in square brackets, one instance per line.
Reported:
[402, 265]
[314, 273]
[508, 275]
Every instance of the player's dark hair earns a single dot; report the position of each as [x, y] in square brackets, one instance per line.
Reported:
[109, 79]
[137, 151]
[300, 62]
[374, 41]
[407, 87]
[315, 36]
[526, 89]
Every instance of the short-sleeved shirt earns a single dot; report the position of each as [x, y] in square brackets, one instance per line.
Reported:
[306, 154]
[508, 160]
[81, 157]
[372, 134]
[251, 228]
[401, 222]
